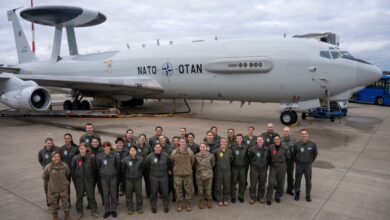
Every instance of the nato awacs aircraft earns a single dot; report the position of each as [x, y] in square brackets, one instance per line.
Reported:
[296, 73]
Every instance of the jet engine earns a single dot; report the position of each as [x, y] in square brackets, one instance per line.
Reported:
[24, 95]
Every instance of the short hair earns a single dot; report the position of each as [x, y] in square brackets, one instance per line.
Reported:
[230, 129]
[49, 139]
[68, 134]
[303, 129]
[183, 128]
[239, 135]
[142, 135]
[133, 146]
[181, 138]
[191, 134]
[82, 144]
[175, 137]
[210, 132]
[54, 153]
[119, 139]
[213, 127]
[89, 123]
[127, 131]
[277, 136]
[251, 127]
[158, 126]
[106, 143]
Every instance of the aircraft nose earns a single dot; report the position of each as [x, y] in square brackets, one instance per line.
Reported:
[367, 74]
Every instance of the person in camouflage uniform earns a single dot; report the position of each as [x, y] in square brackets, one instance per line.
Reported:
[204, 163]
[44, 158]
[182, 160]
[56, 176]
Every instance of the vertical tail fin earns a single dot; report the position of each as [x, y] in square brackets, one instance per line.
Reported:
[25, 54]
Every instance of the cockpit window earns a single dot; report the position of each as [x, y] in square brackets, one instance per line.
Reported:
[335, 54]
[325, 54]
[346, 54]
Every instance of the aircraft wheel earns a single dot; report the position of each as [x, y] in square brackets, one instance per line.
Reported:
[303, 116]
[84, 105]
[67, 105]
[289, 117]
[379, 100]
[75, 105]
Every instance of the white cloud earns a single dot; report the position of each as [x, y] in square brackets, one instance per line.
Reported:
[362, 25]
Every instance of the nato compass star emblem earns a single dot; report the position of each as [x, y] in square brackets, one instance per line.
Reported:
[167, 69]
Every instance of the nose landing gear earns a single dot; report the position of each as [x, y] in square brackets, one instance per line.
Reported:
[289, 117]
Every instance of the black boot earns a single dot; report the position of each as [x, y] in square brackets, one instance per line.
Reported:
[296, 196]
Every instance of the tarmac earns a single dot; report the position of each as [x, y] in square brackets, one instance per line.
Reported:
[351, 177]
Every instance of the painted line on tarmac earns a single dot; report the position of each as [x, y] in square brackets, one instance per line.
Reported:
[25, 199]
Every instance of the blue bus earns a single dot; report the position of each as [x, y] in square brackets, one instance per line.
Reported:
[377, 93]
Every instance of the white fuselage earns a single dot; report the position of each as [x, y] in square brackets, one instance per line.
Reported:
[298, 73]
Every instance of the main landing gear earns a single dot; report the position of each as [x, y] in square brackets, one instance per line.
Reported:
[289, 117]
[77, 103]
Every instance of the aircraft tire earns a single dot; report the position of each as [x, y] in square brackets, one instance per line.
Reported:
[288, 117]
[303, 116]
[67, 105]
[84, 105]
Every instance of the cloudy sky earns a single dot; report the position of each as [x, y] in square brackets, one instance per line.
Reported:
[362, 25]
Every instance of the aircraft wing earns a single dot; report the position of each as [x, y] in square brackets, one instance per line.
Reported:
[9, 69]
[133, 85]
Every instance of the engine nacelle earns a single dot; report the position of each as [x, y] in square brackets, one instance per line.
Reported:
[24, 95]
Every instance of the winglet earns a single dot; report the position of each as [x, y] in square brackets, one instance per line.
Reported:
[23, 49]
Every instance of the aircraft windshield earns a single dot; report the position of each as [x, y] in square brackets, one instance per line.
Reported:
[336, 54]
[347, 55]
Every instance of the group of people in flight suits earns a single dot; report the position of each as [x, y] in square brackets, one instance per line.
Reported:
[216, 169]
